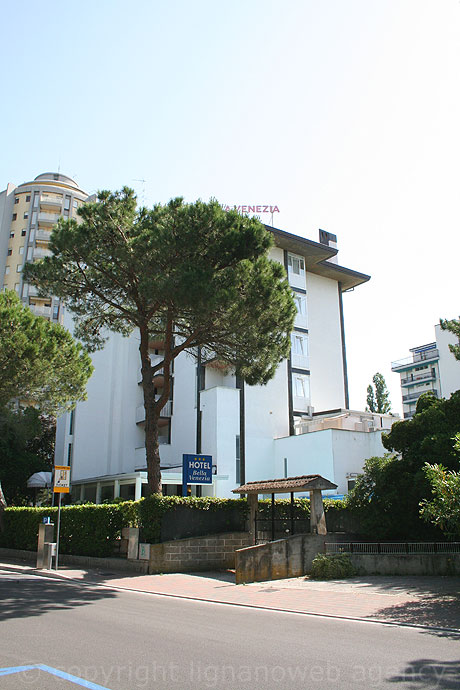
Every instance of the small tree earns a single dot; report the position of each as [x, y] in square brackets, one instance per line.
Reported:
[443, 510]
[40, 363]
[26, 446]
[452, 325]
[378, 397]
[186, 275]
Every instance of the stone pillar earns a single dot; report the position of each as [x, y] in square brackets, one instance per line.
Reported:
[253, 502]
[116, 489]
[138, 489]
[317, 516]
[98, 492]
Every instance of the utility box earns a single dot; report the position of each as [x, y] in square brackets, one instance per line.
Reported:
[144, 552]
[45, 536]
[48, 552]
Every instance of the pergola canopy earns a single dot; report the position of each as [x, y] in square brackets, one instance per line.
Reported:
[307, 482]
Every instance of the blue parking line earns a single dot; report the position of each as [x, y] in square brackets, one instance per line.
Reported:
[54, 672]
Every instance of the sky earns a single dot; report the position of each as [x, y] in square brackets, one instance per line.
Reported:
[343, 113]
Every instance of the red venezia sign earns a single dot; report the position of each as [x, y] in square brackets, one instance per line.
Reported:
[260, 208]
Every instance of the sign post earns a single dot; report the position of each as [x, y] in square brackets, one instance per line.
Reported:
[61, 486]
[196, 469]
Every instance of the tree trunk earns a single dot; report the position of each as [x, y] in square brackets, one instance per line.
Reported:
[152, 449]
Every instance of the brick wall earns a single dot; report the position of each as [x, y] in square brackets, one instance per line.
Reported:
[214, 552]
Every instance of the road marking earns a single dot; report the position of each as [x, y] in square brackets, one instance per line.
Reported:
[54, 672]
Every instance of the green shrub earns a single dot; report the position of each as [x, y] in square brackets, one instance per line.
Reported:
[86, 530]
[335, 566]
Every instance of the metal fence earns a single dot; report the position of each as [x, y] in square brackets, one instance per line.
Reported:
[408, 547]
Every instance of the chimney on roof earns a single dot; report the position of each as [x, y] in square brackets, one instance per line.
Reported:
[330, 240]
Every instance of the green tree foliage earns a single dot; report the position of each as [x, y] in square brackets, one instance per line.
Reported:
[452, 325]
[188, 275]
[388, 494]
[378, 397]
[443, 510]
[26, 446]
[40, 363]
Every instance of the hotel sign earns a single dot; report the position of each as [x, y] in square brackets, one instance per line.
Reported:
[251, 208]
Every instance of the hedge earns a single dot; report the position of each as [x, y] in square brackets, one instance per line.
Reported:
[86, 530]
[90, 530]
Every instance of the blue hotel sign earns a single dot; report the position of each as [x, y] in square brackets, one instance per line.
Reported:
[196, 469]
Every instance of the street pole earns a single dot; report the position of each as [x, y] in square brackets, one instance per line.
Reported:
[56, 564]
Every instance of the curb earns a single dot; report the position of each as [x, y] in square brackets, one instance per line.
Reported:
[417, 626]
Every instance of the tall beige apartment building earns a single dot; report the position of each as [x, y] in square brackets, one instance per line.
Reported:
[27, 216]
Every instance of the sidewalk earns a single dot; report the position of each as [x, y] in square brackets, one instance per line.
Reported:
[425, 601]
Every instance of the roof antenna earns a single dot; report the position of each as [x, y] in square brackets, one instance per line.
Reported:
[143, 189]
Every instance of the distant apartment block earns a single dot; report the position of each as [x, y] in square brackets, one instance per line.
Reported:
[28, 213]
[429, 368]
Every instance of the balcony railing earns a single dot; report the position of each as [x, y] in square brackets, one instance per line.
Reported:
[41, 252]
[48, 218]
[417, 357]
[427, 376]
[53, 202]
[166, 412]
[416, 396]
[43, 235]
[39, 310]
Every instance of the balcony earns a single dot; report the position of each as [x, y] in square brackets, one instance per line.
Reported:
[416, 396]
[300, 361]
[410, 380]
[165, 413]
[40, 310]
[41, 252]
[416, 358]
[48, 219]
[53, 203]
[43, 235]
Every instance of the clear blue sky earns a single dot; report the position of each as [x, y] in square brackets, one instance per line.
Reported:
[344, 113]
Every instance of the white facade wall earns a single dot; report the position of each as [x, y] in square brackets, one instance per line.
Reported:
[325, 341]
[449, 367]
[107, 442]
[332, 453]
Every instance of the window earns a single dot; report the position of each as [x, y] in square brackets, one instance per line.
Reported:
[19, 268]
[351, 484]
[301, 386]
[67, 203]
[56, 311]
[296, 264]
[11, 235]
[21, 250]
[300, 303]
[7, 270]
[75, 203]
[10, 251]
[16, 287]
[23, 232]
[69, 454]
[26, 215]
[299, 344]
[15, 215]
[16, 200]
[28, 197]
[71, 421]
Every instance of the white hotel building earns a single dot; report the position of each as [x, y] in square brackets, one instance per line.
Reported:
[297, 424]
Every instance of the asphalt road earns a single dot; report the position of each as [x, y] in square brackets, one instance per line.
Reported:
[129, 640]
